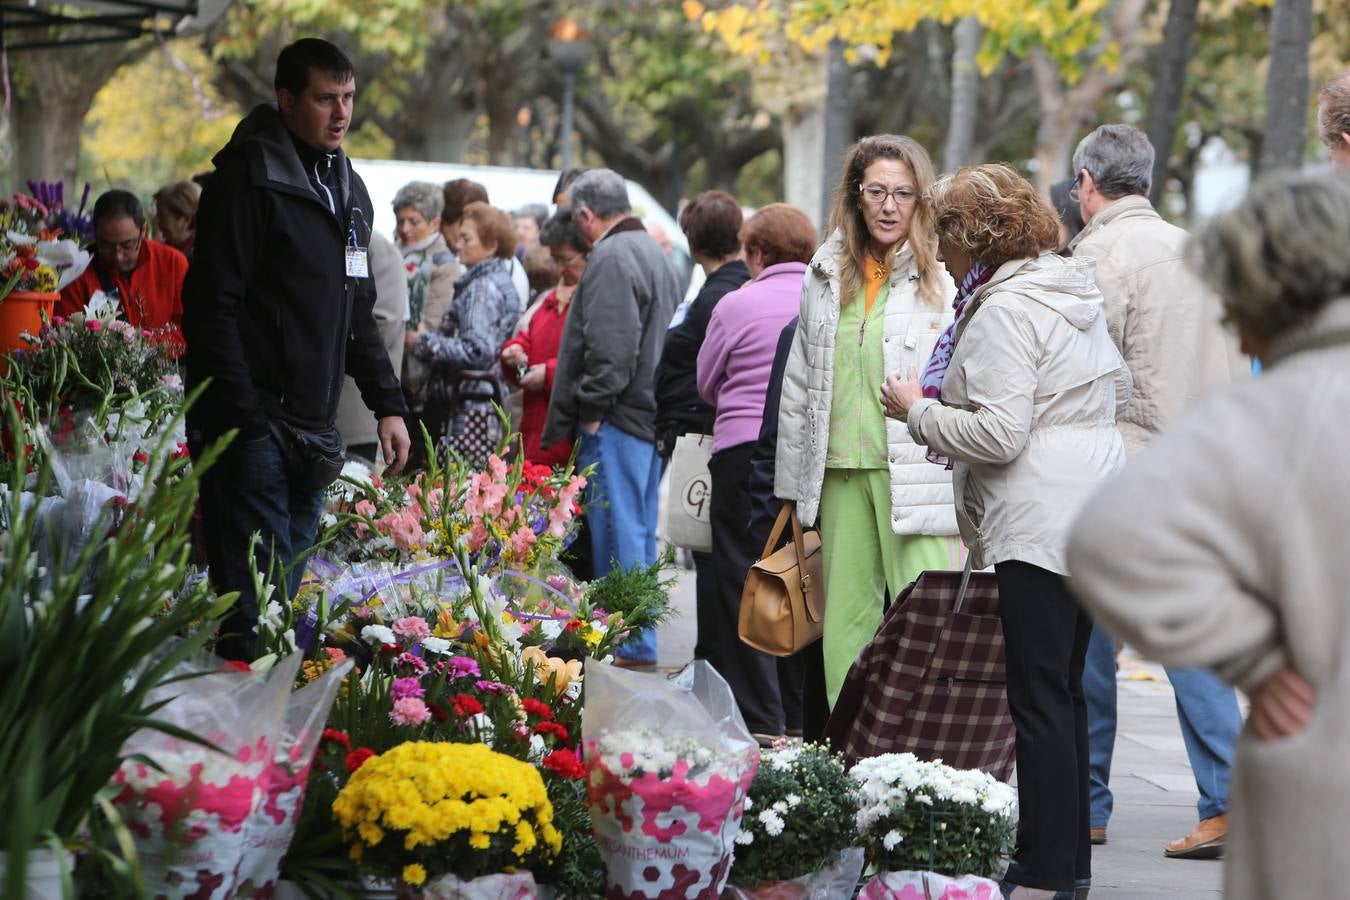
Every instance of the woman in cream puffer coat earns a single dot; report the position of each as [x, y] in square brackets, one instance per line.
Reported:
[874, 302]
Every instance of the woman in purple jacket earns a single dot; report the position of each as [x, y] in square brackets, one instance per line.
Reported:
[733, 375]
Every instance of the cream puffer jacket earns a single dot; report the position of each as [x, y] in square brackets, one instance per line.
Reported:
[1028, 410]
[921, 492]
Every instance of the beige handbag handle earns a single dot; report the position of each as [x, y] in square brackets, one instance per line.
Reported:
[789, 511]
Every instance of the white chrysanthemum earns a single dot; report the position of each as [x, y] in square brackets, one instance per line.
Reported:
[891, 840]
[745, 837]
[772, 822]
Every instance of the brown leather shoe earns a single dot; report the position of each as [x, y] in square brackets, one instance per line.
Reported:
[1097, 835]
[1204, 842]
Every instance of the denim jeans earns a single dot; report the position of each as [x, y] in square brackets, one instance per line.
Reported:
[247, 491]
[624, 496]
[1207, 710]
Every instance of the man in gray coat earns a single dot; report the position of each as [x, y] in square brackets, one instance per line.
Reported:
[603, 386]
[354, 421]
[1166, 325]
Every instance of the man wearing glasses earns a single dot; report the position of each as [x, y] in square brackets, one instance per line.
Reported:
[145, 277]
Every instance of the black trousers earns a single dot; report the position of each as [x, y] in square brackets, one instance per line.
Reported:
[752, 675]
[1045, 634]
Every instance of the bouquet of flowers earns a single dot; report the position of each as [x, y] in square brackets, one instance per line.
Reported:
[799, 822]
[436, 815]
[35, 254]
[924, 822]
[669, 763]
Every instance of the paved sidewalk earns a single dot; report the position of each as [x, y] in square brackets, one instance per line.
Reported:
[1155, 794]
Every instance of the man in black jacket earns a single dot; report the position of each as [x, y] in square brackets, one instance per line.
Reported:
[278, 306]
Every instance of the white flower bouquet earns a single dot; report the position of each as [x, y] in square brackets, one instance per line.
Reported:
[925, 824]
[669, 762]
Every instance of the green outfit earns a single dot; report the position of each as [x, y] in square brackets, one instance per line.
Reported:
[862, 557]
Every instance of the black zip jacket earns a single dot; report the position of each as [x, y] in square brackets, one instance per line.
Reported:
[269, 313]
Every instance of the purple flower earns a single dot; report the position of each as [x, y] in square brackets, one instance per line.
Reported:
[490, 687]
[406, 687]
[407, 659]
[464, 666]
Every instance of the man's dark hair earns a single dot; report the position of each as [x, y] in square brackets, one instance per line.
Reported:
[294, 63]
[459, 193]
[561, 231]
[566, 178]
[119, 204]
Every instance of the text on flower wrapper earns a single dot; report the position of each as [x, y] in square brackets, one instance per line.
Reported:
[623, 849]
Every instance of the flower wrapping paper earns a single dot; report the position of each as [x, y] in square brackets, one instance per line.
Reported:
[928, 886]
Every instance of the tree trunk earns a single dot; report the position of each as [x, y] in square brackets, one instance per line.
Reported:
[803, 126]
[441, 138]
[56, 90]
[838, 125]
[1287, 86]
[965, 95]
[1169, 87]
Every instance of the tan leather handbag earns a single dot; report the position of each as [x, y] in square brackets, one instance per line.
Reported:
[783, 603]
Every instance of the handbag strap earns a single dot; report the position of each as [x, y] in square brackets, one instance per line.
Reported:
[965, 583]
[778, 525]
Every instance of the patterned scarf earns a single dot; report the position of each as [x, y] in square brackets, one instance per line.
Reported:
[936, 369]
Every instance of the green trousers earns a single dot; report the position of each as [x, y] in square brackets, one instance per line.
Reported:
[863, 558]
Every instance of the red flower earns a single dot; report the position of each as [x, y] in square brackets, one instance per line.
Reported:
[575, 625]
[564, 763]
[537, 708]
[357, 758]
[180, 451]
[234, 665]
[554, 728]
[140, 457]
[438, 711]
[332, 735]
[466, 706]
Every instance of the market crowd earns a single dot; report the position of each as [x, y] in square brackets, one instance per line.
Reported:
[956, 366]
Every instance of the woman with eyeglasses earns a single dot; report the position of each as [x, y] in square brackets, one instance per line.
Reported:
[874, 302]
[529, 358]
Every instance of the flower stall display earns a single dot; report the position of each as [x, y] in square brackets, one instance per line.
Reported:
[932, 830]
[669, 763]
[449, 819]
[36, 261]
[798, 838]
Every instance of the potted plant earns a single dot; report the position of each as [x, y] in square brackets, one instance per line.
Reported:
[449, 820]
[799, 838]
[36, 261]
[82, 649]
[931, 828]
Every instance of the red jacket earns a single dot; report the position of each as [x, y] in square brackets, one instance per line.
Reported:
[540, 341]
[152, 298]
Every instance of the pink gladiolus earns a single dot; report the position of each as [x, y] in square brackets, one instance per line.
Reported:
[476, 538]
[408, 534]
[409, 711]
[365, 508]
[522, 541]
[412, 628]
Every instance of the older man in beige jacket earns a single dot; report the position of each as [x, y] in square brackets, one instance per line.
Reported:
[1167, 327]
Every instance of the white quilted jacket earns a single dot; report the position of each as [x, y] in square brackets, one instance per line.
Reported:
[921, 492]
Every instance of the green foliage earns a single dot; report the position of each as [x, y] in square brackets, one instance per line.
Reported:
[640, 594]
[578, 869]
[798, 816]
[81, 649]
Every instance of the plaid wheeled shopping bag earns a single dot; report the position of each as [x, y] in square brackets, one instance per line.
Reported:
[932, 681]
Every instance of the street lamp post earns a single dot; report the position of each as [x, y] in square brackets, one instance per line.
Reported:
[568, 45]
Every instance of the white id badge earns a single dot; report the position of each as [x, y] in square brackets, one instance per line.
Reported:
[357, 264]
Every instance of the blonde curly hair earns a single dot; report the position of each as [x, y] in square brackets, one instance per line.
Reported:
[992, 214]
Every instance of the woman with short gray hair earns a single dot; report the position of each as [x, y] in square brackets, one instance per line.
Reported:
[1223, 544]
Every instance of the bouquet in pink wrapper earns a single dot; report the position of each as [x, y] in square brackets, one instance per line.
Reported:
[669, 763]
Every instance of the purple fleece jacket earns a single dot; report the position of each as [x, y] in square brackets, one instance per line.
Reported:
[737, 353]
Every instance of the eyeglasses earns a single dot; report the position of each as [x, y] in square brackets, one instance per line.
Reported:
[132, 245]
[564, 263]
[1077, 182]
[875, 195]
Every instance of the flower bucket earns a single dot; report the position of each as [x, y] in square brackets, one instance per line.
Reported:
[21, 312]
[912, 885]
[42, 880]
[515, 886]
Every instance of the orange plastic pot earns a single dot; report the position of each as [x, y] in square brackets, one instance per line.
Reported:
[22, 312]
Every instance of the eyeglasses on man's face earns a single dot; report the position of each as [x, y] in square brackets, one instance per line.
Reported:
[875, 195]
[1077, 183]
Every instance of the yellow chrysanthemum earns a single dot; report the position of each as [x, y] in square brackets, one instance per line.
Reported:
[414, 874]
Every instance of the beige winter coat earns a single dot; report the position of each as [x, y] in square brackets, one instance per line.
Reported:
[355, 423]
[1161, 316]
[921, 492]
[1028, 410]
[1224, 545]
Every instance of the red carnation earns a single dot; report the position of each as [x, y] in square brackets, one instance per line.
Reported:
[357, 758]
[438, 711]
[537, 708]
[333, 736]
[564, 763]
[554, 728]
[466, 706]
[234, 665]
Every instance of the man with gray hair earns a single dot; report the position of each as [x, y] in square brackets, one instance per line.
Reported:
[603, 385]
[1166, 325]
[1333, 119]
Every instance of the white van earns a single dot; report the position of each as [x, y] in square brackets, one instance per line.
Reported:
[508, 189]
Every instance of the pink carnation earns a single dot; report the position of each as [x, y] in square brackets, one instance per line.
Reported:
[406, 687]
[409, 711]
[93, 324]
[412, 628]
